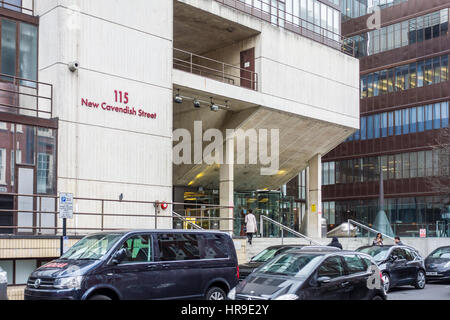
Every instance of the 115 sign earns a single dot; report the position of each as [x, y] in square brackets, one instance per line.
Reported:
[121, 97]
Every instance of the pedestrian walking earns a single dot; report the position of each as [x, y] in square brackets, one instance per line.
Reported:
[397, 241]
[335, 243]
[251, 227]
[378, 240]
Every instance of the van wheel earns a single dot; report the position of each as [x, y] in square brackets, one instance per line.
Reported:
[377, 298]
[215, 293]
[99, 297]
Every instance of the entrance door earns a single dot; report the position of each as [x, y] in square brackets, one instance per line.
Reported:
[25, 204]
[248, 69]
[6, 217]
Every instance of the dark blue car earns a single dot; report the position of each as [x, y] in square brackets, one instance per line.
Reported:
[438, 264]
[140, 265]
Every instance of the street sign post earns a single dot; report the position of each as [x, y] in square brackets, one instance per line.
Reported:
[65, 212]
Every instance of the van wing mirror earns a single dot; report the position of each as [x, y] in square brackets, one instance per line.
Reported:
[119, 256]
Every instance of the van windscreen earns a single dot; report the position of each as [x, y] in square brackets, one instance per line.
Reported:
[92, 247]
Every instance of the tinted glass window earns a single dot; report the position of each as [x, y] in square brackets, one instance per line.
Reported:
[354, 264]
[441, 253]
[178, 247]
[331, 267]
[294, 265]
[215, 246]
[139, 249]
[409, 255]
[92, 247]
[400, 253]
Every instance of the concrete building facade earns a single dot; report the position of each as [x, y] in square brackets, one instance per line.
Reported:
[87, 107]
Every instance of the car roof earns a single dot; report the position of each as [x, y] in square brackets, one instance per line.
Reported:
[128, 231]
[286, 246]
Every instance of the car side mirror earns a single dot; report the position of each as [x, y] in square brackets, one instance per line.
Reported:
[119, 256]
[322, 280]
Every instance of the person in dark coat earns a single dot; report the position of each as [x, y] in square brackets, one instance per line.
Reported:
[335, 243]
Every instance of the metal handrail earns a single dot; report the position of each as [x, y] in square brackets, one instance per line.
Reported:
[283, 227]
[191, 66]
[350, 221]
[282, 20]
[15, 93]
[10, 6]
[179, 216]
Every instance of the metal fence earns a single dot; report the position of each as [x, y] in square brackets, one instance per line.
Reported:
[12, 5]
[25, 97]
[269, 11]
[94, 215]
[214, 69]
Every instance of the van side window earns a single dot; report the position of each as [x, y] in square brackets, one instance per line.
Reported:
[139, 249]
[215, 246]
[178, 246]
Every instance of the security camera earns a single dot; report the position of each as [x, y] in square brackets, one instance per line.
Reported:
[214, 107]
[74, 66]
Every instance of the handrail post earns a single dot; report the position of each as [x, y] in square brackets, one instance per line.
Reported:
[261, 225]
[190, 55]
[103, 207]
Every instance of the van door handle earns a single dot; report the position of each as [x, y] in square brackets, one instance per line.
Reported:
[345, 284]
[152, 267]
[165, 266]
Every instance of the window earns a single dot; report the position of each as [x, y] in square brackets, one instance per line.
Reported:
[215, 246]
[8, 48]
[331, 267]
[437, 116]
[139, 249]
[370, 127]
[420, 119]
[363, 128]
[377, 125]
[421, 164]
[429, 163]
[19, 40]
[429, 117]
[12, 4]
[444, 114]
[178, 247]
[398, 122]
[405, 113]
[3, 166]
[43, 172]
[413, 120]
[354, 264]
[384, 125]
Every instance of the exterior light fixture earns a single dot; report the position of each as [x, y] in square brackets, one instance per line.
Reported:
[214, 107]
[196, 103]
[178, 98]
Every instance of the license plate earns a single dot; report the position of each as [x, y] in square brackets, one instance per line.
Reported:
[432, 273]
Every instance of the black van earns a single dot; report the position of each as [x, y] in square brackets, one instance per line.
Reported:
[140, 265]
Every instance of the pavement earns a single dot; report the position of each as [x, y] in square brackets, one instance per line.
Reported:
[432, 291]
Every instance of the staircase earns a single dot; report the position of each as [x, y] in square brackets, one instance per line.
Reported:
[259, 244]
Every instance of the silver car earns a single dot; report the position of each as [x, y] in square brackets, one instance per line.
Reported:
[3, 285]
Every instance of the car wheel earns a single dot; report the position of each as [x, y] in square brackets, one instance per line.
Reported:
[377, 298]
[215, 293]
[420, 280]
[99, 297]
[386, 282]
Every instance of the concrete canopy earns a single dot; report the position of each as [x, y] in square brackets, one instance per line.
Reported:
[300, 140]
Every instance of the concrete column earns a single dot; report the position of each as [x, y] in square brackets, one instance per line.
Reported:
[227, 187]
[314, 211]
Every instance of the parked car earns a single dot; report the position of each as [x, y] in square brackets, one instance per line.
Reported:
[3, 285]
[437, 264]
[400, 265]
[246, 268]
[313, 275]
[140, 265]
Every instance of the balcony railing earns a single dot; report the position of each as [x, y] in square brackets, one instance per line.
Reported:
[25, 97]
[269, 11]
[217, 70]
[23, 6]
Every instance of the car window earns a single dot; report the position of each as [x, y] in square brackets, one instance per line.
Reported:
[354, 264]
[177, 246]
[291, 264]
[139, 249]
[441, 253]
[265, 255]
[215, 246]
[400, 253]
[410, 256]
[368, 262]
[332, 267]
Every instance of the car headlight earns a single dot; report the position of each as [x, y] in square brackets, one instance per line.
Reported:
[3, 277]
[68, 283]
[289, 296]
[447, 265]
[232, 294]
